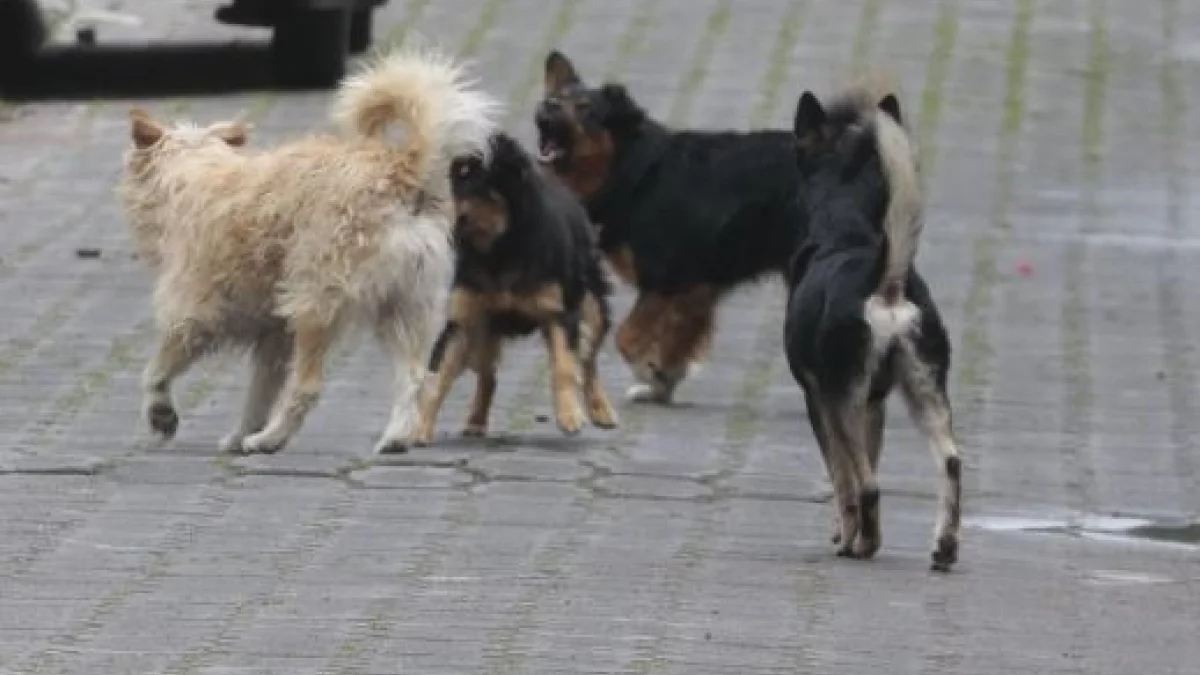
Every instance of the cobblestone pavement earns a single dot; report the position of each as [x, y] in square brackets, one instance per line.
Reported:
[1061, 141]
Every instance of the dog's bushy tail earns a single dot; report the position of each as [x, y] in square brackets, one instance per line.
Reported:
[444, 112]
[903, 220]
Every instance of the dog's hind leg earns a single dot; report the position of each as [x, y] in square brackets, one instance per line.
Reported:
[483, 359]
[305, 381]
[595, 328]
[637, 342]
[840, 464]
[816, 420]
[178, 348]
[564, 377]
[665, 337]
[923, 383]
[406, 341]
[446, 364]
[269, 366]
[847, 420]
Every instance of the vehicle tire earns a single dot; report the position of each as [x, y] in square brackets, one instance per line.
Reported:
[360, 31]
[309, 47]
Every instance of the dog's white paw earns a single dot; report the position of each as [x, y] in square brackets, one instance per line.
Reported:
[261, 443]
[232, 444]
[647, 393]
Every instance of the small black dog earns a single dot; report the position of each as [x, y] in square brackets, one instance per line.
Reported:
[527, 261]
[685, 216]
[860, 318]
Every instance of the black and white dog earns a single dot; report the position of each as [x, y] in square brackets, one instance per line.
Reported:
[860, 318]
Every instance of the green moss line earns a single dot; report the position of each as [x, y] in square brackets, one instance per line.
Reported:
[530, 393]
[974, 365]
[564, 18]
[1178, 369]
[463, 508]
[84, 629]
[741, 425]
[714, 28]
[287, 562]
[1095, 92]
[1017, 67]
[632, 38]
[773, 85]
[1076, 338]
[864, 34]
[1077, 413]
[414, 11]
[937, 70]
[489, 12]
[1174, 112]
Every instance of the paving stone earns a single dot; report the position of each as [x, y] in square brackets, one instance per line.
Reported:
[410, 477]
[1060, 148]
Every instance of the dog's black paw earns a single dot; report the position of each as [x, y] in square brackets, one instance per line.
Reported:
[393, 446]
[945, 555]
[163, 419]
[474, 431]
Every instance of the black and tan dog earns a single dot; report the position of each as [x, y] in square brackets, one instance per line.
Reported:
[527, 261]
[685, 216]
[860, 319]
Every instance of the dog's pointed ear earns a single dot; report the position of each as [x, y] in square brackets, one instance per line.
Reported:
[144, 130]
[233, 133]
[890, 105]
[810, 116]
[623, 111]
[559, 72]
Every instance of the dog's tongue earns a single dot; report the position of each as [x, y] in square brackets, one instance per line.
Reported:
[548, 152]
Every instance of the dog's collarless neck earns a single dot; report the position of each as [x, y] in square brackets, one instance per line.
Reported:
[631, 164]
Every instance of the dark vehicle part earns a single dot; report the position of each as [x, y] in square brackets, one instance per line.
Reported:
[22, 30]
[312, 37]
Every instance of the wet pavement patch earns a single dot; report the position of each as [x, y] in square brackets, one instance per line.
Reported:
[1174, 532]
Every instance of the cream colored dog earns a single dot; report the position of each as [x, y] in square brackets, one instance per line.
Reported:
[281, 250]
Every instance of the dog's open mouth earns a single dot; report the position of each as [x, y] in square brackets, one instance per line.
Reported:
[550, 152]
[554, 144]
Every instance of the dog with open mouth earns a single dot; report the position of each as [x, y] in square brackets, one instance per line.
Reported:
[282, 250]
[684, 216]
[527, 262]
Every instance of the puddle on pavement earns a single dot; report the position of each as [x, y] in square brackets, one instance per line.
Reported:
[1177, 533]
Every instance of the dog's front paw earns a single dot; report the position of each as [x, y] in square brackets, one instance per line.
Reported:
[422, 437]
[945, 553]
[569, 417]
[231, 444]
[163, 419]
[648, 393]
[473, 430]
[392, 446]
[262, 443]
[601, 412]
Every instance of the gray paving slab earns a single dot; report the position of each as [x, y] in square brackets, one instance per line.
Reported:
[1060, 146]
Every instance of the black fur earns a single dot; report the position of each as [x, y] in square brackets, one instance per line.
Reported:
[844, 368]
[840, 265]
[548, 239]
[694, 207]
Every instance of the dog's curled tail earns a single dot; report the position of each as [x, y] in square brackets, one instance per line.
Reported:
[444, 112]
[903, 220]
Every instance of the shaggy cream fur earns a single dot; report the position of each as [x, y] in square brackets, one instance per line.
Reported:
[281, 250]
